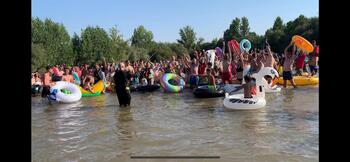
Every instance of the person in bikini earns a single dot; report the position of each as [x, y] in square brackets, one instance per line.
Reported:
[88, 85]
[67, 76]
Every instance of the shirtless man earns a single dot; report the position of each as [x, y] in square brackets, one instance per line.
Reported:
[193, 71]
[47, 82]
[287, 65]
[129, 68]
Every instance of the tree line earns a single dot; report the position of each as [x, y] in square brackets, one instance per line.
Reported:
[51, 43]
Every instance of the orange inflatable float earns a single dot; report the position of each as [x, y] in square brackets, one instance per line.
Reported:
[302, 43]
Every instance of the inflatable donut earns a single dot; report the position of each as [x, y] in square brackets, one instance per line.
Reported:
[245, 42]
[169, 87]
[59, 96]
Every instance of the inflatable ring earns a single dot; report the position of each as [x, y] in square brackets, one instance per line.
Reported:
[247, 43]
[302, 43]
[172, 88]
[57, 95]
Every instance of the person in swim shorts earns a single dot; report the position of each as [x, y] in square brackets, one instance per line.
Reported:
[288, 65]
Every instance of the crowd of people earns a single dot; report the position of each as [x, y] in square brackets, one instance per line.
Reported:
[228, 68]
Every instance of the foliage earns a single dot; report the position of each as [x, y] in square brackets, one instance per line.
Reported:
[187, 38]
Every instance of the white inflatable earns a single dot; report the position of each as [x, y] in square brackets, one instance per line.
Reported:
[238, 102]
[211, 57]
[271, 89]
[57, 95]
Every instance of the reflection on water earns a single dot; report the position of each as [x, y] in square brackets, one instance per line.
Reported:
[96, 129]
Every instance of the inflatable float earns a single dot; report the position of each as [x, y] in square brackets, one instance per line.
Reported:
[97, 88]
[164, 82]
[147, 88]
[234, 45]
[218, 52]
[299, 80]
[302, 43]
[272, 87]
[238, 102]
[211, 57]
[245, 45]
[209, 91]
[57, 92]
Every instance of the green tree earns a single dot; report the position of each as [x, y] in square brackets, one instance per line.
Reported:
[178, 49]
[95, 44]
[278, 24]
[54, 39]
[187, 38]
[119, 47]
[136, 53]
[142, 38]
[162, 51]
[76, 45]
[233, 32]
[39, 60]
[244, 28]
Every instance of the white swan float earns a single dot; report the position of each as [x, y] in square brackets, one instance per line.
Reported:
[271, 89]
[238, 102]
[57, 95]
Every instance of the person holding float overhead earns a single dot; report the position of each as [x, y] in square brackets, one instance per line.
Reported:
[121, 78]
[289, 56]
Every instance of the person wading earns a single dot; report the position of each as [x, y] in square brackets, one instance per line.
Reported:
[121, 78]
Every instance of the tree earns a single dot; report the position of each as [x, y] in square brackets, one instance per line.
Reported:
[142, 38]
[278, 24]
[95, 44]
[178, 49]
[162, 51]
[233, 32]
[244, 27]
[119, 47]
[76, 44]
[54, 39]
[38, 56]
[187, 38]
[136, 53]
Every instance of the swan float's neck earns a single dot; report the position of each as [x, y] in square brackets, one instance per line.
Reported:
[260, 85]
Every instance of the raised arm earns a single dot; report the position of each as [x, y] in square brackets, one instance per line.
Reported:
[241, 58]
[230, 53]
[286, 49]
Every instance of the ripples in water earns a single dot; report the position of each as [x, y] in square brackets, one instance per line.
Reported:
[96, 129]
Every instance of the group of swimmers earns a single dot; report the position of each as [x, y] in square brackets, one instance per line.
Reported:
[229, 68]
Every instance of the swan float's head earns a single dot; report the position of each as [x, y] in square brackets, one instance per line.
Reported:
[269, 71]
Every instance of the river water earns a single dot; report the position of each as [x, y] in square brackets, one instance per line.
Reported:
[168, 124]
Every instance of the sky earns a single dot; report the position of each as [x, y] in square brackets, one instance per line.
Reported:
[165, 18]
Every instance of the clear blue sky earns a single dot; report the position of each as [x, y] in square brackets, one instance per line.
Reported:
[209, 18]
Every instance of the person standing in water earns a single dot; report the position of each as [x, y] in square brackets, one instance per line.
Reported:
[288, 65]
[47, 82]
[121, 78]
[313, 63]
